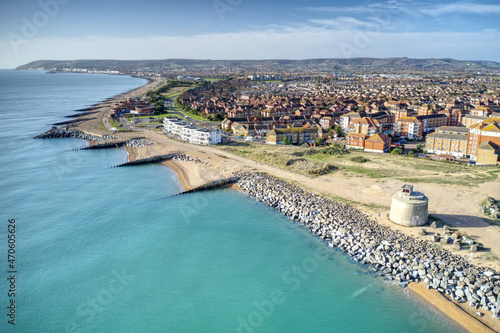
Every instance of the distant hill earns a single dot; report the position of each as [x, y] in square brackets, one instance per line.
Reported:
[354, 64]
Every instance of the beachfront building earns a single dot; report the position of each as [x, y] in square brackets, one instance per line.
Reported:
[192, 134]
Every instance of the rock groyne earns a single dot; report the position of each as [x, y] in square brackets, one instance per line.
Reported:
[56, 132]
[390, 253]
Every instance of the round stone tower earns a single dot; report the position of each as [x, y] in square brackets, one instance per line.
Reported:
[408, 207]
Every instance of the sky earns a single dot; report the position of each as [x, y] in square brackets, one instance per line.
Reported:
[247, 29]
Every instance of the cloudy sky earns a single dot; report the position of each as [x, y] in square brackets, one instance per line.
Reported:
[243, 29]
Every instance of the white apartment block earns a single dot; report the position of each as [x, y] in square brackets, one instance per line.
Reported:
[190, 133]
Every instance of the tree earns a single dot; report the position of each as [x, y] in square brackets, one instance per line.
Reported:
[319, 141]
[339, 131]
[287, 141]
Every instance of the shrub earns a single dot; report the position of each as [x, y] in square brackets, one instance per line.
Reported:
[360, 159]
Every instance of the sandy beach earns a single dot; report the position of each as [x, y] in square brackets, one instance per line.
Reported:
[218, 164]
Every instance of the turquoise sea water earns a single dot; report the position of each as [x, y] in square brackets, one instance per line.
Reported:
[106, 250]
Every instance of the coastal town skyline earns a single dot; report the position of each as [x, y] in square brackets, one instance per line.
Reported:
[223, 29]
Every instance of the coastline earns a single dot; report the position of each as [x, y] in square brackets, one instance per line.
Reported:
[190, 176]
[181, 174]
[452, 310]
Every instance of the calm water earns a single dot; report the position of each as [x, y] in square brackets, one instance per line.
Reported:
[106, 250]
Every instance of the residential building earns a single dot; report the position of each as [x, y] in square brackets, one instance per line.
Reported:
[469, 120]
[378, 143]
[481, 111]
[327, 122]
[346, 119]
[433, 121]
[244, 129]
[363, 125]
[456, 116]
[355, 140]
[480, 142]
[409, 127]
[134, 106]
[448, 140]
[189, 133]
[296, 136]
[488, 153]
[489, 130]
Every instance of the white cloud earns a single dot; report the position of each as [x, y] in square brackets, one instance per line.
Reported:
[342, 23]
[410, 8]
[461, 8]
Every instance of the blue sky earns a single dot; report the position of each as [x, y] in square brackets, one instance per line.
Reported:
[243, 29]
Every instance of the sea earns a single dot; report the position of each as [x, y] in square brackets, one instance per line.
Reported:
[100, 249]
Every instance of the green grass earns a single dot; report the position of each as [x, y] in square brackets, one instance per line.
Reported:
[114, 123]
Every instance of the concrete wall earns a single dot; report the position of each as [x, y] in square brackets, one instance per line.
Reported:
[409, 212]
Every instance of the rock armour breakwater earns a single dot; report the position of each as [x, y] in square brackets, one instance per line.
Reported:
[55, 132]
[399, 257]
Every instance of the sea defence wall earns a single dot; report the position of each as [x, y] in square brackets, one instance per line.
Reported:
[389, 253]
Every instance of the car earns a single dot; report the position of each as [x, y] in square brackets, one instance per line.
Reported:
[402, 141]
[395, 144]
